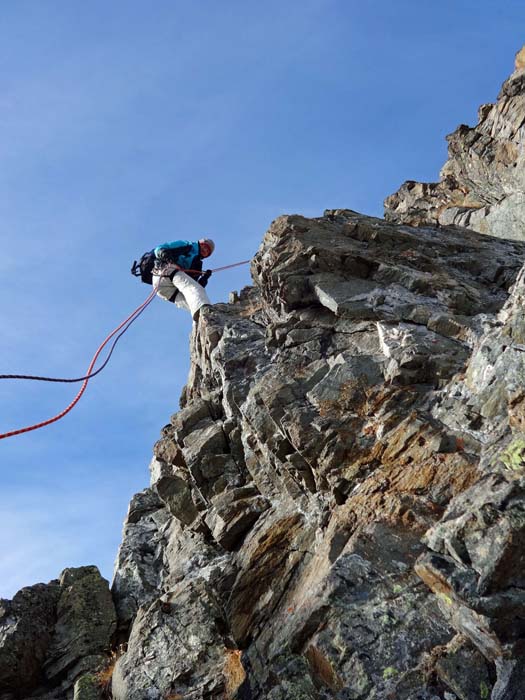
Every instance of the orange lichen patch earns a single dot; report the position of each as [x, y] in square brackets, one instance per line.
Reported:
[405, 476]
[411, 433]
[275, 537]
[233, 671]
[411, 463]
[428, 472]
[321, 669]
[356, 398]
[104, 677]
[436, 582]
[380, 410]
[351, 398]
[266, 568]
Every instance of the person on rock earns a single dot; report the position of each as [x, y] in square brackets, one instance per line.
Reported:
[175, 271]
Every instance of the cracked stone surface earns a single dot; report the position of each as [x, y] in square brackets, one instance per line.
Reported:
[320, 476]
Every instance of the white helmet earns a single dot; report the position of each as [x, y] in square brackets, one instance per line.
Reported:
[209, 243]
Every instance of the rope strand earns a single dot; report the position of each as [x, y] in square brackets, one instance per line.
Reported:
[123, 327]
[77, 398]
[78, 379]
[37, 378]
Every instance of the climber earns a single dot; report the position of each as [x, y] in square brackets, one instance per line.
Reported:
[175, 271]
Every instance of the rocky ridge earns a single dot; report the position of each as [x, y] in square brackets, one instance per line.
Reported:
[482, 184]
[338, 508]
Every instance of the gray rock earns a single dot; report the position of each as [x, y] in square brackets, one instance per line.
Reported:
[176, 647]
[26, 630]
[482, 184]
[53, 635]
[233, 513]
[139, 562]
[88, 688]
[465, 671]
[85, 625]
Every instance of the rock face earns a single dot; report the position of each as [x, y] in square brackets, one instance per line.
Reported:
[482, 184]
[52, 635]
[338, 508]
[332, 512]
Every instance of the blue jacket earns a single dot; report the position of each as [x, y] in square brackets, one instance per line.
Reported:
[187, 255]
[177, 252]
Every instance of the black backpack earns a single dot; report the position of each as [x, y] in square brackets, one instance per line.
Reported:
[144, 267]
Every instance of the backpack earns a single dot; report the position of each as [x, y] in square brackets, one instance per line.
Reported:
[144, 267]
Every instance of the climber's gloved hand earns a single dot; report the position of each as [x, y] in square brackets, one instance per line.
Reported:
[203, 281]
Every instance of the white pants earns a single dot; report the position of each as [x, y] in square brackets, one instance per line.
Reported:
[184, 291]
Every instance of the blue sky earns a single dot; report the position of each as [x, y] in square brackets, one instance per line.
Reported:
[126, 124]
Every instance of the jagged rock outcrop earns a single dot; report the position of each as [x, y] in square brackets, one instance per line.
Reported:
[52, 635]
[482, 184]
[308, 485]
[338, 508]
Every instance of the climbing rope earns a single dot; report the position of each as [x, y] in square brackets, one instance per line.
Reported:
[215, 269]
[127, 322]
[77, 379]
[136, 314]
[123, 327]
[227, 267]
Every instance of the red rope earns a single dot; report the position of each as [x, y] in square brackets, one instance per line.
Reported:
[89, 372]
[93, 374]
[138, 310]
